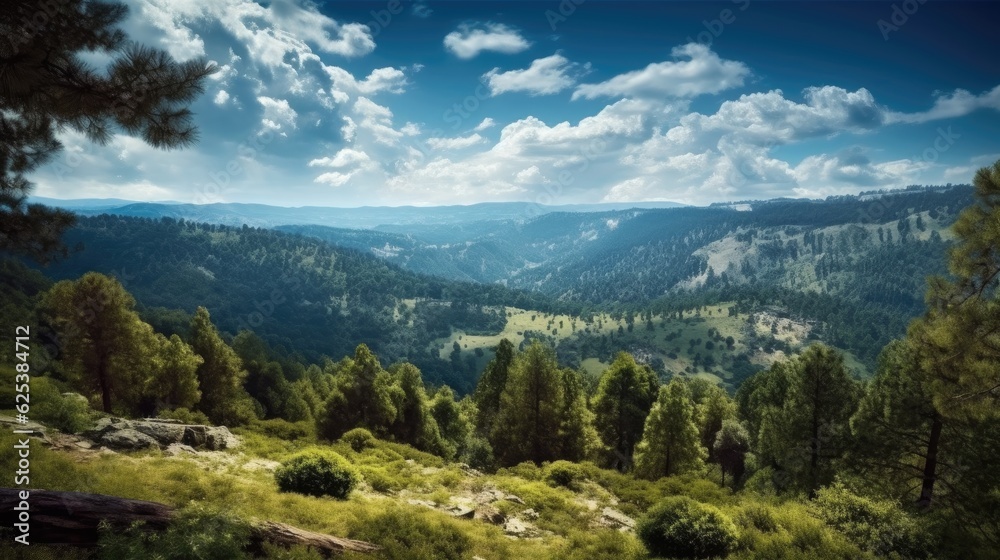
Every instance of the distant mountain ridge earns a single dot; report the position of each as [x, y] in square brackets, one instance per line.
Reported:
[364, 217]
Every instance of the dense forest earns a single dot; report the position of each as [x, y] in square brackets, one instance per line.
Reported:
[897, 466]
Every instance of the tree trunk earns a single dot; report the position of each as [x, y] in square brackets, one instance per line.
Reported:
[930, 465]
[72, 518]
[105, 382]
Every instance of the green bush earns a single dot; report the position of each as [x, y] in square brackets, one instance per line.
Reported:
[196, 533]
[285, 430]
[359, 439]
[184, 415]
[415, 535]
[67, 413]
[680, 527]
[879, 526]
[317, 473]
[563, 473]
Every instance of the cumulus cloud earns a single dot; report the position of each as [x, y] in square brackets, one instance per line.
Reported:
[391, 80]
[702, 72]
[486, 123]
[471, 39]
[958, 104]
[270, 34]
[221, 98]
[277, 113]
[455, 143]
[343, 158]
[544, 76]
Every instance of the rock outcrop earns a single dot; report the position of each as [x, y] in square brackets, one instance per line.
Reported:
[122, 434]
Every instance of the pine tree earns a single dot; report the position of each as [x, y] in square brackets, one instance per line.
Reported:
[454, 426]
[364, 397]
[578, 437]
[625, 393]
[103, 342]
[45, 87]
[712, 410]
[805, 433]
[670, 442]
[528, 421]
[959, 337]
[730, 448]
[491, 385]
[174, 382]
[220, 376]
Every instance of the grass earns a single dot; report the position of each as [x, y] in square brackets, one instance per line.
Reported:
[241, 483]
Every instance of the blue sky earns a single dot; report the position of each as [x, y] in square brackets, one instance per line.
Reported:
[579, 101]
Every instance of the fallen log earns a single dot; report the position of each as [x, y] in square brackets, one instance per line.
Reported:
[73, 518]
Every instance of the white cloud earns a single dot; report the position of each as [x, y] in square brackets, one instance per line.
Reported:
[703, 72]
[544, 76]
[335, 178]
[277, 112]
[620, 120]
[455, 143]
[528, 175]
[221, 97]
[470, 40]
[391, 80]
[270, 34]
[343, 158]
[487, 123]
[958, 104]
[349, 129]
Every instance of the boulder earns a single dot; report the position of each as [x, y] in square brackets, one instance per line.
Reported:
[119, 433]
[490, 514]
[128, 440]
[616, 520]
[461, 512]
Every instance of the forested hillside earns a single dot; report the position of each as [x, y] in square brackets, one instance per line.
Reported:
[300, 295]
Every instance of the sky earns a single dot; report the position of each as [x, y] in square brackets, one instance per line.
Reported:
[407, 102]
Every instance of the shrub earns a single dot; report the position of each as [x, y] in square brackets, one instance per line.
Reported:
[680, 527]
[758, 516]
[68, 413]
[415, 535]
[196, 533]
[359, 439]
[285, 430]
[878, 526]
[563, 473]
[317, 473]
[478, 454]
[184, 415]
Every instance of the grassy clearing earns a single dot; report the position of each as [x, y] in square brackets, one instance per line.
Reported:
[399, 503]
[696, 344]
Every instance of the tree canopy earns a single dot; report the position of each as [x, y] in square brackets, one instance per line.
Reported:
[45, 88]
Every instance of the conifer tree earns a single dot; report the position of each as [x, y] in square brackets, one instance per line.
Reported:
[104, 343]
[625, 393]
[491, 385]
[730, 448]
[46, 87]
[959, 337]
[529, 420]
[670, 442]
[174, 381]
[220, 376]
